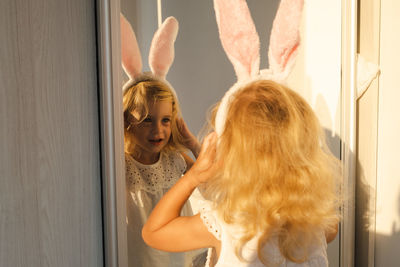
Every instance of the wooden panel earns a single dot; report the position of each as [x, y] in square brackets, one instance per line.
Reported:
[50, 186]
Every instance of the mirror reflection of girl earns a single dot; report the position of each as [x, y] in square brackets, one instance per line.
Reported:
[155, 137]
[270, 183]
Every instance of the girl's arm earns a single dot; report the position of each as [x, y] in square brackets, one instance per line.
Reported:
[331, 235]
[166, 229]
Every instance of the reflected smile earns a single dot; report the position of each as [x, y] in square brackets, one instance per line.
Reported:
[156, 142]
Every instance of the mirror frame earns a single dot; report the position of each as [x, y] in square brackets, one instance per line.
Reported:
[111, 127]
[112, 137]
[348, 129]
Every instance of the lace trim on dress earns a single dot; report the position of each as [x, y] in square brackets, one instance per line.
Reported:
[209, 220]
[208, 259]
[155, 177]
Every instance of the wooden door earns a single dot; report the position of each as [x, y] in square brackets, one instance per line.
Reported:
[50, 179]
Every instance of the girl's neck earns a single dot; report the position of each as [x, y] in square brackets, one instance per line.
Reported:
[145, 158]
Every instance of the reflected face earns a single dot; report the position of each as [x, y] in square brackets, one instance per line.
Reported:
[153, 133]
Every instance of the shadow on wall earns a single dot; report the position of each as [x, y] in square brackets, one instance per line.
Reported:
[364, 220]
[372, 247]
[333, 142]
[387, 246]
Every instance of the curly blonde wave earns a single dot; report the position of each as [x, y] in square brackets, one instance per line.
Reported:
[136, 100]
[278, 177]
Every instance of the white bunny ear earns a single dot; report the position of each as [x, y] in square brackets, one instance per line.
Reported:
[285, 37]
[238, 36]
[162, 50]
[130, 53]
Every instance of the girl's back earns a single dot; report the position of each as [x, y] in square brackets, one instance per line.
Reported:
[229, 236]
[271, 185]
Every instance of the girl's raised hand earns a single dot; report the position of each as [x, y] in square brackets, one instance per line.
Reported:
[165, 222]
[206, 165]
[189, 140]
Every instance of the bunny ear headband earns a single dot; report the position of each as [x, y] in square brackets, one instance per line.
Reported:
[161, 53]
[241, 43]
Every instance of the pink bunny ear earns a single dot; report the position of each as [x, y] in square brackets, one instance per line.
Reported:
[130, 53]
[162, 47]
[238, 36]
[285, 37]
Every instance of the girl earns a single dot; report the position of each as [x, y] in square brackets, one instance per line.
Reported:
[154, 140]
[270, 183]
[155, 137]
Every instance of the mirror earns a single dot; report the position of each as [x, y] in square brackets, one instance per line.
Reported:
[201, 72]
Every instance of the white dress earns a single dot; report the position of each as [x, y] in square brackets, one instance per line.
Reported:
[229, 235]
[145, 185]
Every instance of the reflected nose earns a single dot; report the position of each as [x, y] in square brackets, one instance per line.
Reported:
[157, 126]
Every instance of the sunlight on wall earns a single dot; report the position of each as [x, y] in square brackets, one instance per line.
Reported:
[388, 182]
[319, 61]
[316, 75]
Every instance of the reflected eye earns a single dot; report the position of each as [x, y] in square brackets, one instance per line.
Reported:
[166, 120]
[148, 119]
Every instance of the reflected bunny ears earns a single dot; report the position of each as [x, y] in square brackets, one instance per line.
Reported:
[161, 55]
[241, 44]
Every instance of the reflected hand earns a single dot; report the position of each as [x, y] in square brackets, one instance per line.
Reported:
[189, 140]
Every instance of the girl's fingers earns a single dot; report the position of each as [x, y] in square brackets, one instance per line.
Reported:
[204, 167]
[208, 143]
[212, 146]
[208, 151]
[183, 129]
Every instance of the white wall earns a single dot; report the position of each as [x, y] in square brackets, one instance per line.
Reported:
[388, 172]
[317, 75]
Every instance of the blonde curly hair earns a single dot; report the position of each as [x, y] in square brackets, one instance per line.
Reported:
[278, 177]
[136, 100]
